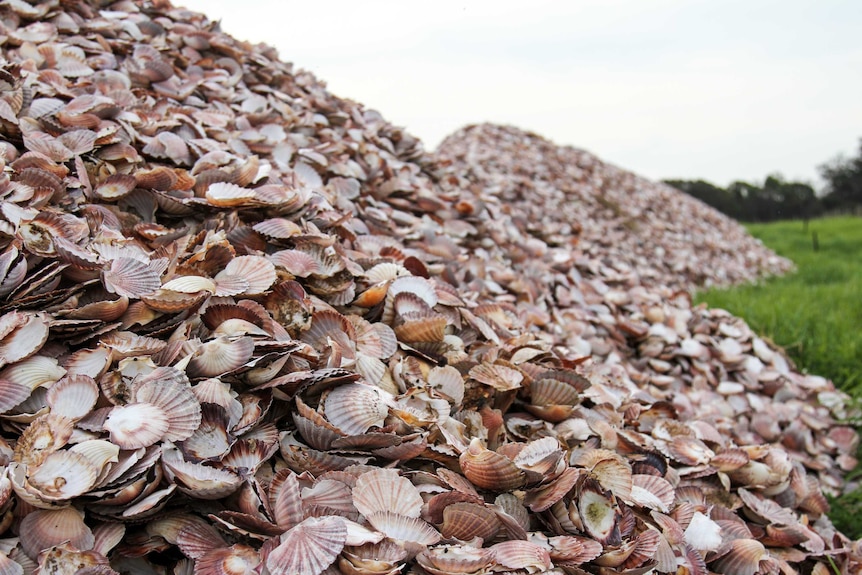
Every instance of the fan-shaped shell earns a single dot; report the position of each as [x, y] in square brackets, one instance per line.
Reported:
[297, 262]
[237, 559]
[489, 470]
[220, 356]
[464, 521]
[354, 408]
[381, 490]
[256, 270]
[73, 396]
[167, 388]
[131, 278]
[226, 195]
[743, 558]
[515, 554]
[200, 481]
[28, 334]
[115, 187]
[453, 559]
[136, 425]
[403, 528]
[47, 528]
[63, 475]
[652, 492]
[308, 548]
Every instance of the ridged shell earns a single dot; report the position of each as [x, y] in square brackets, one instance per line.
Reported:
[220, 356]
[513, 555]
[115, 187]
[28, 333]
[47, 528]
[548, 391]
[297, 262]
[200, 481]
[354, 408]
[652, 492]
[454, 559]
[73, 396]
[167, 388]
[226, 195]
[743, 558]
[416, 328]
[465, 520]
[136, 425]
[308, 548]
[131, 278]
[63, 475]
[402, 528]
[237, 559]
[385, 490]
[256, 270]
[489, 470]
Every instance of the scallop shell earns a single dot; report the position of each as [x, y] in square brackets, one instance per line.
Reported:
[226, 195]
[652, 492]
[382, 490]
[743, 558]
[297, 262]
[73, 396]
[167, 388]
[328, 494]
[63, 475]
[354, 408]
[47, 528]
[598, 513]
[136, 425]
[130, 278]
[465, 520]
[256, 270]
[500, 377]
[200, 481]
[45, 434]
[402, 528]
[453, 559]
[12, 394]
[542, 498]
[489, 470]
[237, 559]
[308, 548]
[220, 356]
[415, 328]
[513, 555]
[703, 533]
[28, 334]
[419, 287]
[115, 187]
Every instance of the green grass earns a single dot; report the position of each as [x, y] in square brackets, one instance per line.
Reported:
[815, 313]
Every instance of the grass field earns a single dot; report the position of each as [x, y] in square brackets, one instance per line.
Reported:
[815, 314]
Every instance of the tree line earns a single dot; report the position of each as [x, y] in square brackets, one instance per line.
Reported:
[777, 199]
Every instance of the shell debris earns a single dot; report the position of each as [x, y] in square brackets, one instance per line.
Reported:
[249, 327]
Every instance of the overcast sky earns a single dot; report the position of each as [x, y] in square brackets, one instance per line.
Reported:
[720, 90]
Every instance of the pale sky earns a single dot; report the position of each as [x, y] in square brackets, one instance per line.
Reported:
[719, 90]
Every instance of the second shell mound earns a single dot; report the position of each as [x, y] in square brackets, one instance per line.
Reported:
[250, 327]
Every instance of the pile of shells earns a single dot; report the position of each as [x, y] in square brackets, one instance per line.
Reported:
[249, 327]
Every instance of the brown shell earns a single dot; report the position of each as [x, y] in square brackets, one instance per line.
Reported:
[489, 470]
[465, 520]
